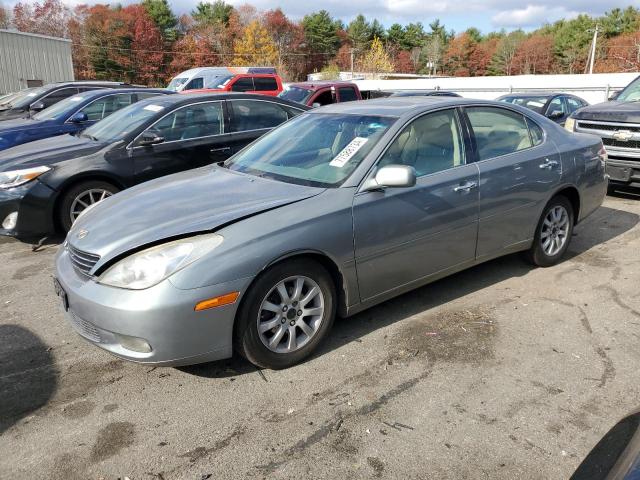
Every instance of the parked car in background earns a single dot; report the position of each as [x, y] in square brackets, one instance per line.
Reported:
[32, 100]
[617, 122]
[45, 185]
[617, 454]
[337, 210]
[71, 115]
[423, 93]
[555, 106]
[317, 94]
[262, 80]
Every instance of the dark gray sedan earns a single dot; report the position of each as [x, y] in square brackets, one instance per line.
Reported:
[337, 210]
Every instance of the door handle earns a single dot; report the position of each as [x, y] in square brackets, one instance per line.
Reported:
[222, 149]
[466, 187]
[548, 164]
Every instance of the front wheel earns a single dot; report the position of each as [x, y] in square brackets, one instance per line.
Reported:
[553, 233]
[285, 315]
[80, 197]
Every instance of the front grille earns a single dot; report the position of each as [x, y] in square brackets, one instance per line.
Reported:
[612, 142]
[82, 261]
[608, 127]
[84, 328]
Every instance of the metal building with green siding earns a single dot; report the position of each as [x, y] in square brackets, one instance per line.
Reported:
[30, 60]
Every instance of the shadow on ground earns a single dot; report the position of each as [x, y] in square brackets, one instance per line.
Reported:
[588, 235]
[28, 376]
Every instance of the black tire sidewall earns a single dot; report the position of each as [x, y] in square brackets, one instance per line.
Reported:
[537, 255]
[247, 339]
[62, 213]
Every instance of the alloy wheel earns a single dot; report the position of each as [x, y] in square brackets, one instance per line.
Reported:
[290, 314]
[85, 200]
[555, 230]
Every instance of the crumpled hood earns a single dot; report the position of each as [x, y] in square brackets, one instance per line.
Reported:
[47, 151]
[613, 111]
[194, 201]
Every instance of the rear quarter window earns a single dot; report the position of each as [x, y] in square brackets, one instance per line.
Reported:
[265, 83]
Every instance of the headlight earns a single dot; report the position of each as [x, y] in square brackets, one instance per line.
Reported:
[149, 267]
[570, 124]
[15, 178]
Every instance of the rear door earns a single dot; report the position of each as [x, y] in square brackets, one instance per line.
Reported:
[103, 107]
[194, 136]
[404, 235]
[250, 119]
[518, 169]
[242, 84]
[266, 85]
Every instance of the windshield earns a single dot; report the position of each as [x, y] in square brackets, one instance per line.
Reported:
[176, 83]
[121, 123]
[631, 93]
[319, 150]
[296, 94]
[62, 109]
[23, 98]
[532, 103]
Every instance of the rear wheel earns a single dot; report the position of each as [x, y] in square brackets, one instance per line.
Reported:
[553, 233]
[80, 197]
[285, 315]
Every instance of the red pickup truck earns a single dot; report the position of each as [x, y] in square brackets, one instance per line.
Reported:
[262, 83]
[316, 94]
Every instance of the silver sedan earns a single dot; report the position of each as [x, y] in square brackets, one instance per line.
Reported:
[335, 211]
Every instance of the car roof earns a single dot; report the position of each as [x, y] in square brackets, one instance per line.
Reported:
[531, 95]
[187, 98]
[393, 106]
[108, 91]
[90, 83]
[320, 84]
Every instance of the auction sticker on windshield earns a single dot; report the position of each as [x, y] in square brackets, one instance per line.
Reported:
[154, 108]
[348, 152]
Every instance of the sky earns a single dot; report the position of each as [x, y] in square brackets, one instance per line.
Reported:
[458, 15]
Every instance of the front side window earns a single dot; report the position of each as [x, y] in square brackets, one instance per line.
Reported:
[556, 105]
[192, 121]
[574, 104]
[319, 150]
[176, 83]
[498, 131]
[256, 114]
[430, 144]
[105, 106]
[55, 97]
[194, 84]
[62, 109]
[264, 84]
[347, 94]
[243, 84]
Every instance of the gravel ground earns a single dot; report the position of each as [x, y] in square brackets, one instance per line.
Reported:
[503, 371]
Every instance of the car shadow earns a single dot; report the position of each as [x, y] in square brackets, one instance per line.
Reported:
[485, 275]
[28, 376]
[628, 193]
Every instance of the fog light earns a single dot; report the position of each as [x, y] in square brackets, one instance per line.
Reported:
[133, 343]
[10, 221]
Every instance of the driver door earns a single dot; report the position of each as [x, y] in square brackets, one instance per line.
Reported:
[193, 136]
[404, 235]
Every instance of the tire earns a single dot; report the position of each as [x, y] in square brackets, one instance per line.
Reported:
[541, 253]
[252, 344]
[611, 189]
[94, 188]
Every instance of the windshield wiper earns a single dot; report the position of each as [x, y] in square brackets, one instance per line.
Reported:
[91, 137]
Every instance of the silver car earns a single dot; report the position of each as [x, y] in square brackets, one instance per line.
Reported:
[335, 211]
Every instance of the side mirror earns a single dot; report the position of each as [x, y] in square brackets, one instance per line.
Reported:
[79, 117]
[613, 96]
[36, 106]
[149, 138]
[392, 176]
[315, 105]
[555, 114]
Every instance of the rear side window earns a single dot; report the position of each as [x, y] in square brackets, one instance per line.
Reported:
[498, 131]
[256, 114]
[243, 84]
[55, 97]
[195, 84]
[347, 94]
[263, 84]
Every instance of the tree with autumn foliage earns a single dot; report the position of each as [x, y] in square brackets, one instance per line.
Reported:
[376, 59]
[255, 47]
[5, 19]
[622, 54]
[287, 37]
[534, 55]
[47, 18]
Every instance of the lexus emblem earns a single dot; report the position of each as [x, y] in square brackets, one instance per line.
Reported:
[82, 233]
[623, 135]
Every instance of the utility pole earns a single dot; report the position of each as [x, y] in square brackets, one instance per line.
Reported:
[592, 56]
[352, 51]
